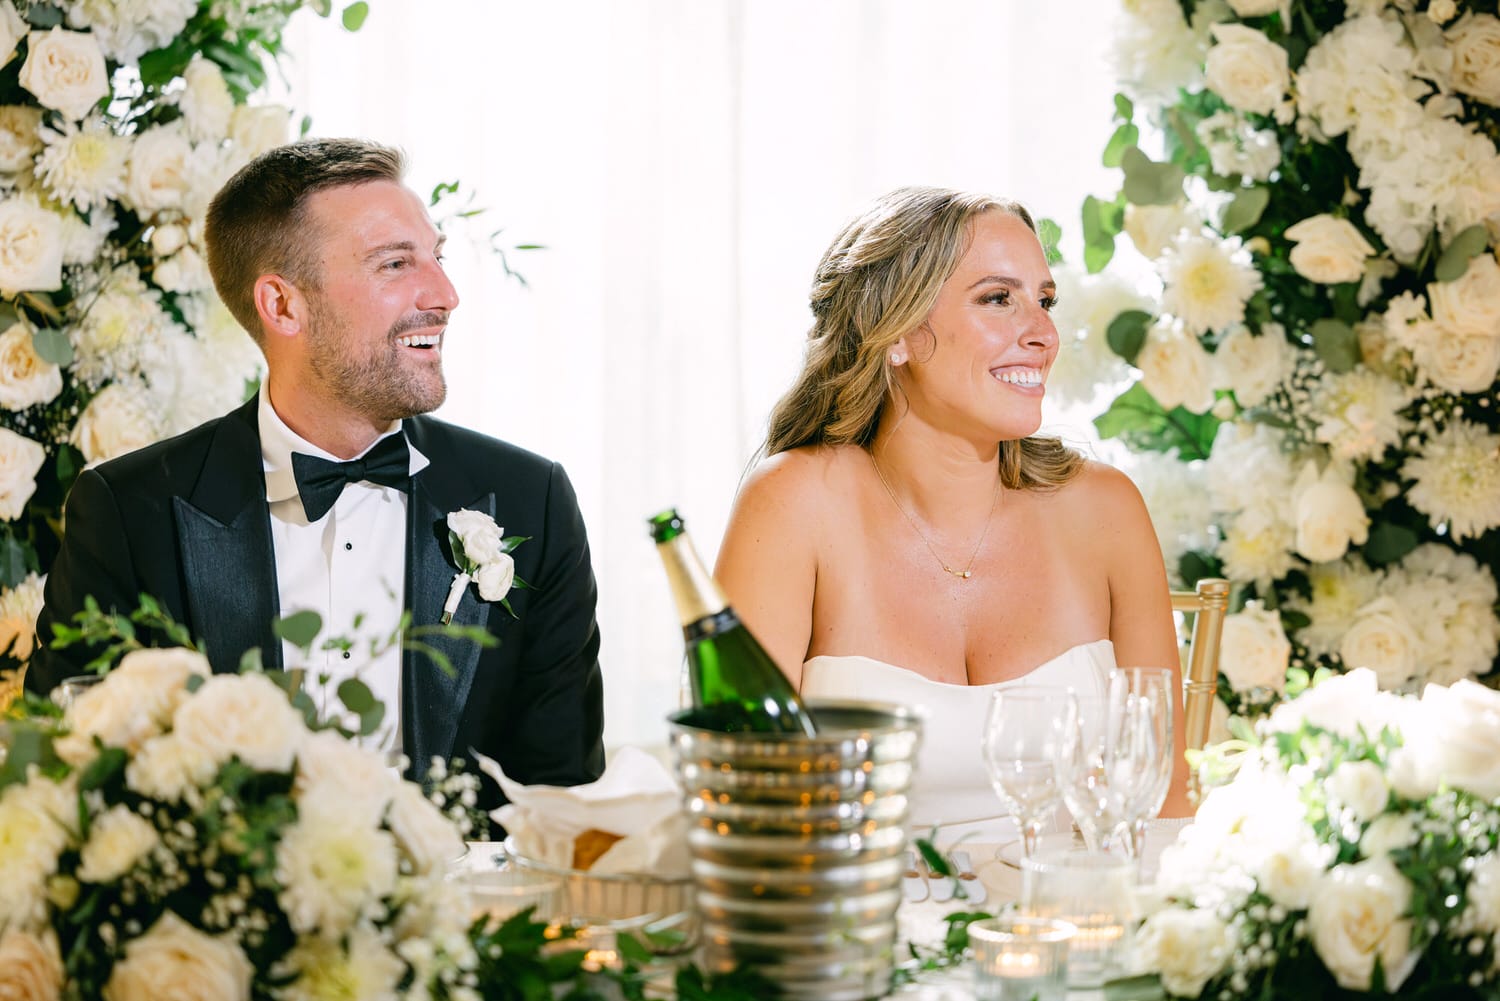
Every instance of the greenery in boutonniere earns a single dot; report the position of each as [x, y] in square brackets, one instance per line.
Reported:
[481, 550]
[1307, 366]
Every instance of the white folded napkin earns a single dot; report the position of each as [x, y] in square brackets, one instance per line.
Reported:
[636, 798]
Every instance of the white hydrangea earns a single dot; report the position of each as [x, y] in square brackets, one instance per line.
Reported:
[1085, 362]
[1207, 282]
[1450, 600]
[1155, 51]
[1457, 479]
[1173, 491]
[1358, 413]
[128, 29]
[1243, 445]
[1236, 148]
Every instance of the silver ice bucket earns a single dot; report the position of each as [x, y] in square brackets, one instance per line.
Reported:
[797, 845]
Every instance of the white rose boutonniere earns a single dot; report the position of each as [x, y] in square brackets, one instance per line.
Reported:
[481, 551]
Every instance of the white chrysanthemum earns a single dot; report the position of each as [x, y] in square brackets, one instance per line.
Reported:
[1358, 414]
[33, 832]
[363, 969]
[333, 873]
[1457, 476]
[1257, 547]
[121, 329]
[19, 607]
[1450, 599]
[128, 29]
[118, 839]
[1207, 281]
[1085, 362]
[83, 165]
[1337, 591]
[1173, 492]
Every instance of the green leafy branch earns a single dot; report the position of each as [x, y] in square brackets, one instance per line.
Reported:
[114, 635]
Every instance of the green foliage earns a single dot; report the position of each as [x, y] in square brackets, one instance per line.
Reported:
[1336, 344]
[110, 635]
[1246, 209]
[1126, 334]
[1049, 233]
[1136, 418]
[52, 345]
[1460, 250]
[299, 628]
[1148, 182]
[1102, 222]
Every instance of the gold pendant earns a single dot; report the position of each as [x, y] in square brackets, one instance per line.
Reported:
[961, 574]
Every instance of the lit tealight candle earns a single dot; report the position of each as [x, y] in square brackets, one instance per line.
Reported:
[1020, 958]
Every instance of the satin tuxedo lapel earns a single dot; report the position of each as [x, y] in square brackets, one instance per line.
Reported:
[434, 698]
[224, 530]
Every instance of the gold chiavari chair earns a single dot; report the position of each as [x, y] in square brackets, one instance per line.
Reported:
[1208, 605]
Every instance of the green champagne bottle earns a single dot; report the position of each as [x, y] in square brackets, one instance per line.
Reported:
[732, 676]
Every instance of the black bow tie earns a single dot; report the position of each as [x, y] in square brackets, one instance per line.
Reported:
[320, 481]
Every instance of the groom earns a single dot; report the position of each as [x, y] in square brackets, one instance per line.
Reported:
[328, 491]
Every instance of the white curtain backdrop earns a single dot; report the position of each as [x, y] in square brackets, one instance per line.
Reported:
[685, 162]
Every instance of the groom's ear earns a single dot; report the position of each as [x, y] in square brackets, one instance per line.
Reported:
[282, 307]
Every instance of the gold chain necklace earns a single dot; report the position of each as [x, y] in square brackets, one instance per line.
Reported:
[968, 570]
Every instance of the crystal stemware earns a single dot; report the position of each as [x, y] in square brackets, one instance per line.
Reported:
[1099, 762]
[1148, 696]
[1020, 740]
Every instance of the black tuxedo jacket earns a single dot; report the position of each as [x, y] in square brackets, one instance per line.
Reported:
[186, 520]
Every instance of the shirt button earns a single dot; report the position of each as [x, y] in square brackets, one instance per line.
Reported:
[347, 655]
[348, 545]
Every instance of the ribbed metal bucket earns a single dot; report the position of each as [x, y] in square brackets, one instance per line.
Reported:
[797, 845]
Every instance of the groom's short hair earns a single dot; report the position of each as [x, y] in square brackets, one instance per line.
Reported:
[257, 224]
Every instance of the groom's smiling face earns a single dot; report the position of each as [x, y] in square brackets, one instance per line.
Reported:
[381, 301]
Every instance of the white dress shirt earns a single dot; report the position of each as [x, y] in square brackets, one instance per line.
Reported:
[349, 566]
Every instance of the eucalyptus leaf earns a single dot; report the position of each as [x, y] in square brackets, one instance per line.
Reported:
[1454, 261]
[299, 628]
[1124, 108]
[354, 15]
[1136, 417]
[1388, 543]
[28, 744]
[1124, 137]
[356, 695]
[1127, 333]
[1049, 233]
[44, 15]
[1147, 182]
[1096, 256]
[1142, 988]
[13, 561]
[1336, 344]
[251, 663]
[1246, 209]
[53, 346]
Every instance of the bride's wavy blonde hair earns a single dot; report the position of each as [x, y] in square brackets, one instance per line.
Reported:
[877, 281]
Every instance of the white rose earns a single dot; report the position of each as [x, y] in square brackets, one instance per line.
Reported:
[1247, 69]
[1474, 43]
[34, 829]
[327, 761]
[1387, 833]
[116, 421]
[118, 839]
[1328, 250]
[1356, 916]
[109, 712]
[167, 239]
[26, 379]
[1412, 773]
[1254, 651]
[65, 70]
[1289, 873]
[30, 965]
[1329, 515]
[161, 676]
[1342, 704]
[184, 271]
[1175, 369]
[1153, 228]
[206, 102]
[31, 247]
[1470, 305]
[1187, 947]
[1383, 640]
[166, 768]
[1253, 366]
[162, 170]
[1360, 786]
[1442, 10]
[1463, 363]
[494, 578]
[20, 459]
[256, 128]
[1466, 721]
[176, 960]
[19, 608]
[244, 716]
[19, 136]
[12, 30]
[478, 533]
[429, 838]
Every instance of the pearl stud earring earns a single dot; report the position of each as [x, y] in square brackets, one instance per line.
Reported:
[897, 357]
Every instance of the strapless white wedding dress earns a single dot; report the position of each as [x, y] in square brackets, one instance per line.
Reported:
[950, 787]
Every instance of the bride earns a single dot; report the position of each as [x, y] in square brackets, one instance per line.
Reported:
[907, 537]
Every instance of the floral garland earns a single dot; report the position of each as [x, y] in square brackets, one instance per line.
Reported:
[118, 122]
[1312, 362]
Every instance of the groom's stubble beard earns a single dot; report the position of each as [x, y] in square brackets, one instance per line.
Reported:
[372, 379]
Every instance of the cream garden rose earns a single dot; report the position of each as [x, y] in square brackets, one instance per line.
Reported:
[1358, 914]
[118, 839]
[163, 171]
[20, 460]
[1466, 746]
[1462, 363]
[12, 30]
[1254, 651]
[430, 839]
[1361, 787]
[244, 716]
[1471, 304]
[1475, 46]
[65, 71]
[1329, 515]
[1253, 366]
[1175, 369]
[1383, 640]
[19, 136]
[116, 421]
[1247, 69]
[1328, 250]
[1186, 947]
[256, 128]
[30, 966]
[26, 379]
[175, 960]
[31, 247]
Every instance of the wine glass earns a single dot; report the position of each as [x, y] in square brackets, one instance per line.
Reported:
[1148, 695]
[1021, 733]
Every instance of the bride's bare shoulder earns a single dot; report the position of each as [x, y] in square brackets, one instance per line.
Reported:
[1104, 498]
[804, 476]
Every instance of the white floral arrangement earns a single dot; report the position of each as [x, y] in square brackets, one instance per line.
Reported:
[1355, 850]
[1309, 366]
[118, 123]
[183, 834]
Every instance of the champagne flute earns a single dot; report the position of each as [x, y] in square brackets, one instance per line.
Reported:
[1020, 736]
[1148, 695]
[1096, 765]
